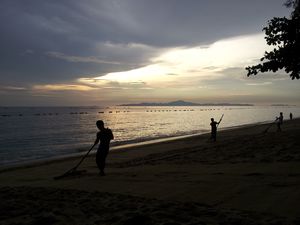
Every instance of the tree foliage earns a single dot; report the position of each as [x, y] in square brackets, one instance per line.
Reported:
[284, 35]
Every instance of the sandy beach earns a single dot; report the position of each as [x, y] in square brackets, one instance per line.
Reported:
[246, 177]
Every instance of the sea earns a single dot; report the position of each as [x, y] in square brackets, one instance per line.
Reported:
[38, 133]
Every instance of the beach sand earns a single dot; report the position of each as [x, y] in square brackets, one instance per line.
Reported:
[246, 177]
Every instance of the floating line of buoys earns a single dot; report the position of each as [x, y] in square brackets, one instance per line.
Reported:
[118, 111]
[36, 114]
[78, 113]
[170, 110]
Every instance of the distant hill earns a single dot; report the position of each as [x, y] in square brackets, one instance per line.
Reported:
[282, 105]
[184, 103]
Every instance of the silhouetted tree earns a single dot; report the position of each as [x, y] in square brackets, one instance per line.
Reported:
[284, 34]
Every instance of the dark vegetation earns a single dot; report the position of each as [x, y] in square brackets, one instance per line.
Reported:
[284, 35]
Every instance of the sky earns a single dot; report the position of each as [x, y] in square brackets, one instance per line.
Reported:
[109, 52]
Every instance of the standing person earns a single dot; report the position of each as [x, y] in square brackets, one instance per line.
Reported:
[291, 116]
[279, 121]
[105, 135]
[213, 125]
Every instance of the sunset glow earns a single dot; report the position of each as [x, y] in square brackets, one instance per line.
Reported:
[199, 62]
[113, 52]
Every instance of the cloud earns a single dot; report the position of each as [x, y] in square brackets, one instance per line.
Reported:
[217, 68]
[13, 88]
[259, 84]
[99, 83]
[211, 68]
[129, 53]
[88, 46]
[191, 64]
[90, 59]
[62, 87]
[27, 52]
[111, 32]
[55, 24]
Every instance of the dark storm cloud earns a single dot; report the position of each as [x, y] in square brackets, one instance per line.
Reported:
[60, 40]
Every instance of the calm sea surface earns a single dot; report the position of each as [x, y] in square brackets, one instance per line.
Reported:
[29, 133]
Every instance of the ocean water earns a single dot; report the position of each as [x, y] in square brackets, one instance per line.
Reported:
[30, 133]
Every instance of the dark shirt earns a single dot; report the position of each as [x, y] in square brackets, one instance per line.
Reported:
[104, 137]
[280, 119]
[214, 126]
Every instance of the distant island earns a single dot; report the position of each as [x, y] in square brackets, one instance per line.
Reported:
[282, 105]
[184, 103]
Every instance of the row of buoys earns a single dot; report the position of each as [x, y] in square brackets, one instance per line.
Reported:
[43, 114]
[169, 110]
[208, 109]
[37, 114]
[115, 112]
[46, 114]
[5, 115]
[51, 114]
[72, 113]
[118, 111]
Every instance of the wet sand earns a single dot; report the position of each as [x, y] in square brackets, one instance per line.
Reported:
[246, 177]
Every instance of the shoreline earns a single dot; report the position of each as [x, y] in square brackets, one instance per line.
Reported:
[36, 162]
[125, 146]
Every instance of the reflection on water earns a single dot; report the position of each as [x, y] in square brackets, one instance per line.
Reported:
[32, 133]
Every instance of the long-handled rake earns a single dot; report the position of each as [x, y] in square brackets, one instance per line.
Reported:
[266, 130]
[220, 120]
[74, 171]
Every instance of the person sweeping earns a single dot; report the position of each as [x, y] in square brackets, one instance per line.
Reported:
[214, 126]
[279, 121]
[104, 136]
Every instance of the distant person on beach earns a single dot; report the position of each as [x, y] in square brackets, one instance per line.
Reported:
[213, 125]
[279, 121]
[105, 135]
[291, 116]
